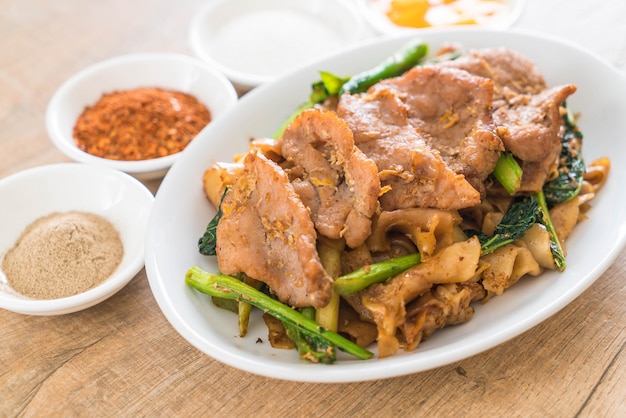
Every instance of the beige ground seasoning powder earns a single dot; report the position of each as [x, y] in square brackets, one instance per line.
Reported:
[63, 254]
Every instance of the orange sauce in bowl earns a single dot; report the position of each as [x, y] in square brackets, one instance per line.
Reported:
[427, 13]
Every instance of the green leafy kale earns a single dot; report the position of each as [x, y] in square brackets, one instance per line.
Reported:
[208, 241]
[327, 86]
[520, 217]
[516, 221]
[571, 165]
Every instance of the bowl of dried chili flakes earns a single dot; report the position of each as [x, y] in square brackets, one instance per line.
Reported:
[137, 112]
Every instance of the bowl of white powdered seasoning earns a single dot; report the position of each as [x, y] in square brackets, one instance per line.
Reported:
[72, 236]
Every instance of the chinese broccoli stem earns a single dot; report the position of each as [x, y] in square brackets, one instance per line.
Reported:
[309, 346]
[555, 244]
[330, 255]
[231, 288]
[407, 57]
[328, 316]
[374, 273]
[243, 317]
[508, 172]
[244, 308]
[228, 304]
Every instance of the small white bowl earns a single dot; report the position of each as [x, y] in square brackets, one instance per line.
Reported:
[118, 197]
[169, 71]
[253, 42]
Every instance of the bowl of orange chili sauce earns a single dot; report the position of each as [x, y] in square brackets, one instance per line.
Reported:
[137, 112]
[401, 16]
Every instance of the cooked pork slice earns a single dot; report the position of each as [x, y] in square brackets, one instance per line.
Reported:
[411, 172]
[266, 232]
[451, 108]
[374, 116]
[526, 112]
[533, 130]
[334, 179]
[511, 72]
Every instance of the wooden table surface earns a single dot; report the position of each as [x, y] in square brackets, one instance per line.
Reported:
[123, 358]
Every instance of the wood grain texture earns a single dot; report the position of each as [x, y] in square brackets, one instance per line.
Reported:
[122, 358]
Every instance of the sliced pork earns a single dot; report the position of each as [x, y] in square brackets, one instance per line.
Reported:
[334, 179]
[412, 173]
[511, 72]
[452, 110]
[525, 112]
[266, 232]
[532, 129]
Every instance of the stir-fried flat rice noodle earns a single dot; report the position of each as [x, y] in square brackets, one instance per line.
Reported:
[404, 168]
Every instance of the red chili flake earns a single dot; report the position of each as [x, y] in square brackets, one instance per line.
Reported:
[140, 124]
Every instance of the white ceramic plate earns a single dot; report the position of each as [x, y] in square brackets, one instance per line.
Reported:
[375, 14]
[181, 213]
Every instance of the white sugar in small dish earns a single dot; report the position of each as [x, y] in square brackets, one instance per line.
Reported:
[253, 42]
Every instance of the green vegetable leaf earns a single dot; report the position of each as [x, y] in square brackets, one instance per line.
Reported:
[516, 221]
[572, 167]
[208, 241]
[329, 85]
